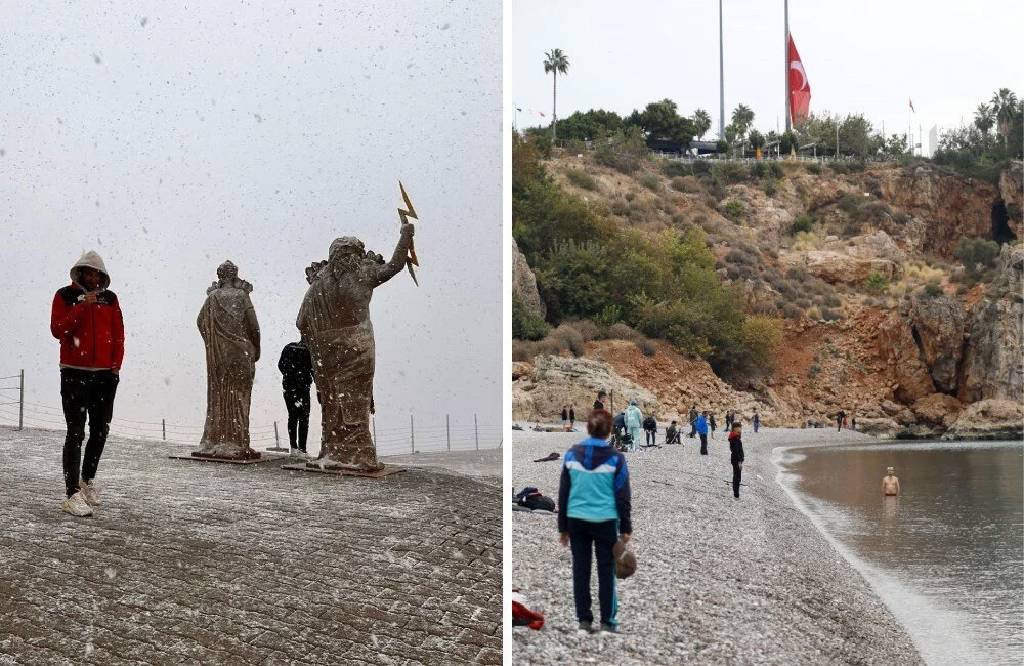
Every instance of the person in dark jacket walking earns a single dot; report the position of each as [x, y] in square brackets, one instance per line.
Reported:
[565, 417]
[86, 318]
[594, 508]
[840, 420]
[757, 421]
[712, 422]
[296, 368]
[736, 456]
[572, 417]
[693, 421]
[650, 430]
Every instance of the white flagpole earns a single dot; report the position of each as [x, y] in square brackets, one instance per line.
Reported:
[785, 57]
[721, 76]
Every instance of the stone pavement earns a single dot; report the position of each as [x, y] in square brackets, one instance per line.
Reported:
[192, 562]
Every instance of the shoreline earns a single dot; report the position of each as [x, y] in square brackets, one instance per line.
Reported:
[719, 580]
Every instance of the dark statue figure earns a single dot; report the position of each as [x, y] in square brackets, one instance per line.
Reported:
[334, 321]
[227, 322]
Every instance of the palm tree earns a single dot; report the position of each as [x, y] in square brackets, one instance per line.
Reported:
[984, 118]
[742, 118]
[701, 122]
[555, 62]
[1004, 105]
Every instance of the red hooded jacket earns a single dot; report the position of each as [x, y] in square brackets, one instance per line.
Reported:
[91, 335]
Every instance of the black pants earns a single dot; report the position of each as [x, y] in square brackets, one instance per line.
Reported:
[649, 436]
[737, 472]
[296, 398]
[693, 429]
[586, 539]
[703, 444]
[85, 394]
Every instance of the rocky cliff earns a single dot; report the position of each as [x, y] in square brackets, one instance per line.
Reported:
[907, 361]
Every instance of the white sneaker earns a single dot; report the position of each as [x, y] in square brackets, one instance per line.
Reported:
[76, 505]
[298, 453]
[89, 492]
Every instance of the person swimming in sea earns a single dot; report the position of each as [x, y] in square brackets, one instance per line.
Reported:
[890, 483]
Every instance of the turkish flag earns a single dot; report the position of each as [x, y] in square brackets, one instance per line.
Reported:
[799, 88]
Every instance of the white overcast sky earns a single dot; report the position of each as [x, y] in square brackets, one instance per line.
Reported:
[867, 56]
[172, 136]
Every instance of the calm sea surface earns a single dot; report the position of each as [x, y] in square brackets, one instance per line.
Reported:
[947, 556]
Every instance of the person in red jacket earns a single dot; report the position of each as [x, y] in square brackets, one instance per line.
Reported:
[86, 319]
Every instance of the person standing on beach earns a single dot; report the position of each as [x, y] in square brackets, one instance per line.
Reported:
[565, 416]
[693, 421]
[890, 483]
[86, 318]
[840, 419]
[594, 508]
[736, 456]
[650, 430]
[572, 417]
[599, 403]
[702, 432]
[634, 419]
[757, 421]
[713, 423]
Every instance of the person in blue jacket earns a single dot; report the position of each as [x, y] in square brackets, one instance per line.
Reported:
[702, 430]
[594, 507]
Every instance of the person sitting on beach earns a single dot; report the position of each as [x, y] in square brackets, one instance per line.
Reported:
[672, 434]
[890, 483]
[594, 507]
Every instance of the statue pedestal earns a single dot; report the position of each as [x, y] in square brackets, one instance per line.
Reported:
[235, 461]
[343, 471]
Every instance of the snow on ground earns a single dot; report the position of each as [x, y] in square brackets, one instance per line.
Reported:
[720, 581]
[193, 562]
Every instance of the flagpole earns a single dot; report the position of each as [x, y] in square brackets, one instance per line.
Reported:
[785, 58]
[721, 76]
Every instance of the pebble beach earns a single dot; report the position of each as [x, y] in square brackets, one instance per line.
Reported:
[720, 581]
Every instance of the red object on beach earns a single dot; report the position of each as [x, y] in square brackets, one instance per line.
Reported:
[524, 617]
[799, 86]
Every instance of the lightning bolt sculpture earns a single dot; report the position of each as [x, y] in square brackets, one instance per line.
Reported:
[404, 215]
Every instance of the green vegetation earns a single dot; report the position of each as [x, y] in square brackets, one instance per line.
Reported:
[650, 181]
[978, 256]
[975, 152]
[525, 324]
[581, 178]
[734, 209]
[876, 283]
[663, 285]
[555, 62]
[933, 290]
[804, 223]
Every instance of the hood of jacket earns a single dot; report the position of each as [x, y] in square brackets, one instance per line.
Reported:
[90, 259]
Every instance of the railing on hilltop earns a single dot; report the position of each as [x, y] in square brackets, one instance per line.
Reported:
[389, 440]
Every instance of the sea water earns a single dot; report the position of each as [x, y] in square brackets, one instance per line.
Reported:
[947, 555]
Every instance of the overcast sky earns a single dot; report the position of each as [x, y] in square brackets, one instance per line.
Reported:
[171, 137]
[867, 56]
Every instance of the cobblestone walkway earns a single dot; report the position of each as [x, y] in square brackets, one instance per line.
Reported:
[189, 562]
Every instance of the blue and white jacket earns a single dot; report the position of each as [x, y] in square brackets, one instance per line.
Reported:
[594, 486]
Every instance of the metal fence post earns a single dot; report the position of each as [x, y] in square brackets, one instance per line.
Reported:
[373, 422]
[277, 438]
[21, 402]
[412, 433]
[448, 431]
[163, 426]
[476, 433]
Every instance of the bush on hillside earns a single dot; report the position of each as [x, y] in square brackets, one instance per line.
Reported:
[804, 223]
[977, 255]
[581, 178]
[673, 168]
[651, 182]
[876, 283]
[734, 209]
[728, 173]
[525, 324]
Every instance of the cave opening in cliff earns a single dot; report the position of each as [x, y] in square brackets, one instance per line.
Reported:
[1001, 231]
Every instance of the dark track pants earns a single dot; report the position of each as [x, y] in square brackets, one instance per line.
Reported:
[703, 444]
[649, 437]
[296, 399]
[586, 539]
[85, 394]
[737, 472]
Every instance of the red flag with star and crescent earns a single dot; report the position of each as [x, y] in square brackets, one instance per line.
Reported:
[799, 87]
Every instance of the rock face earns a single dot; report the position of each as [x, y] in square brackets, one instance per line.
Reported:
[989, 419]
[937, 409]
[1011, 190]
[993, 367]
[938, 325]
[882, 428]
[524, 283]
[840, 268]
[540, 393]
[908, 373]
[948, 209]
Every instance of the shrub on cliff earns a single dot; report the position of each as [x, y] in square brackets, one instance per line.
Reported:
[581, 178]
[804, 223]
[977, 254]
[876, 283]
[525, 324]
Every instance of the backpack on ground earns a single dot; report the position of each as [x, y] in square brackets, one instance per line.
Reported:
[532, 499]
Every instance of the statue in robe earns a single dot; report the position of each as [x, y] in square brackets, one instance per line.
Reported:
[227, 322]
[334, 321]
